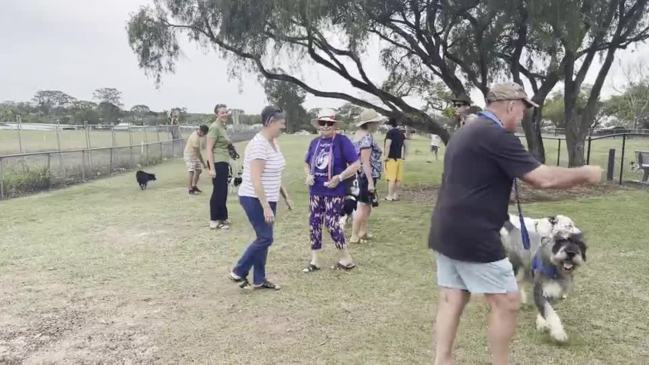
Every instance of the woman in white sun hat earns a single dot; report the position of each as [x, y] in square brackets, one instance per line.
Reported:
[330, 160]
[369, 153]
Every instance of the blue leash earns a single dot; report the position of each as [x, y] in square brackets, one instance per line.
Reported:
[537, 263]
[525, 236]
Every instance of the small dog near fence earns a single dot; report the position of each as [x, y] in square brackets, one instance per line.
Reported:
[143, 178]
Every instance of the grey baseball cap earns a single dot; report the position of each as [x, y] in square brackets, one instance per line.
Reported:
[509, 91]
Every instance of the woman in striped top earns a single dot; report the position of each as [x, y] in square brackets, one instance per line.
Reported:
[258, 194]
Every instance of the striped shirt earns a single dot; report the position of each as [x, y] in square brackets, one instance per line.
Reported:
[259, 148]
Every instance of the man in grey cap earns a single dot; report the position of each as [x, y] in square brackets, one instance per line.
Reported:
[481, 162]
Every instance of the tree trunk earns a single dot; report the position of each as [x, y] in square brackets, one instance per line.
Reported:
[575, 141]
[532, 127]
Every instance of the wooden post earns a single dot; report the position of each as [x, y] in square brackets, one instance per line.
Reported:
[88, 145]
[19, 119]
[146, 146]
[58, 146]
[130, 143]
[157, 130]
[83, 165]
[49, 171]
[112, 147]
[611, 164]
[173, 148]
[590, 140]
[58, 135]
[2, 180]
[622, 159]
[559, 153]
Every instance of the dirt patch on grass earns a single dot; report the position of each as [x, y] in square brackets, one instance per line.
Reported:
[530, 195]
[428, 194]
[420, 194]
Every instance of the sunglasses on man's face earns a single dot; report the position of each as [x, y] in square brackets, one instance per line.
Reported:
[459, 105]
[327, 123]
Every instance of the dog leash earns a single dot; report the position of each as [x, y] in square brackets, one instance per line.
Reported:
[525, 236]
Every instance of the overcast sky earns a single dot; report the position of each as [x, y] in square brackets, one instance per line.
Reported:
[77, 46]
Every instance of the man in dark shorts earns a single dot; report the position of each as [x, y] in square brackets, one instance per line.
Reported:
[481, 161]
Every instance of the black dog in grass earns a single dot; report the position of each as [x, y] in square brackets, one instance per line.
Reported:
[143, 178]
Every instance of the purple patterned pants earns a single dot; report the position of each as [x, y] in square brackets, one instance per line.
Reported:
[326, 208]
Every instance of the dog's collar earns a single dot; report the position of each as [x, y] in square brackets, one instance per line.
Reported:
[538, 266]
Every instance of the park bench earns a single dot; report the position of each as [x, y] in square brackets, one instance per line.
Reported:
[642, 163]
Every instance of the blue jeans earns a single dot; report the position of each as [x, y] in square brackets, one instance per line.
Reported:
[256, 253]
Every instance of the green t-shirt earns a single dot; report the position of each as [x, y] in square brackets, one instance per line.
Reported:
[221, 139]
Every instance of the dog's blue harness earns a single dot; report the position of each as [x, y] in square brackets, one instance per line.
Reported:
[537, 262]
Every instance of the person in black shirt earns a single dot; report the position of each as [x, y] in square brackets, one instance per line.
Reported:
[395, 145]
[481, 161]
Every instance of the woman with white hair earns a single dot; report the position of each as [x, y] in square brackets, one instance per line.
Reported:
[330, 160]
[258, 194]
[369, 154]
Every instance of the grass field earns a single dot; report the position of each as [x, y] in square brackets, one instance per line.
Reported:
[103, 272]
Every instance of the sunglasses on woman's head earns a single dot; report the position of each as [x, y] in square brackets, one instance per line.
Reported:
[327, 123]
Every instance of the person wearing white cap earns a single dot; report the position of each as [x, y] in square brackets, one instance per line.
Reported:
[330, 160]
[481, 163]
[369, 153]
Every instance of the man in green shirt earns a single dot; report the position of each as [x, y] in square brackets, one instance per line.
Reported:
[219, 150]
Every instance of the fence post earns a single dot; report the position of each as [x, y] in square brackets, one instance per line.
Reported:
[112, 147]
[130, 143]
[20, 133]
[58, 135]
[88, 144]
[590, 139]
[58, 145]
[146, 146]
[173, 148]
[2, 180]
[611, 164]
[157, 130]
[559, 152]
[49, 171]
[622, 159]
[83, 165]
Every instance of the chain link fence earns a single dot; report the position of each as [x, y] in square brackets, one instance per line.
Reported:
[128, 149]
[617, 154]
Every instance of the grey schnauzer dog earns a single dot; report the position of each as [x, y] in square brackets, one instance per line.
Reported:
[557, 249]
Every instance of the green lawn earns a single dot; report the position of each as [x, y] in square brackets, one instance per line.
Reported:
[103, 272]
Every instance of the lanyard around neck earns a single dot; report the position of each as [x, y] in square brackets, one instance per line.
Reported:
[331, 157]
[492, 117]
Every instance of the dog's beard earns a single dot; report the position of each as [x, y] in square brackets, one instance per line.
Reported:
[565, 262]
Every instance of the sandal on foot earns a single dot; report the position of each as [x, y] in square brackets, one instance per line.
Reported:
[310, 268]
[267, 285]
[340, 266]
